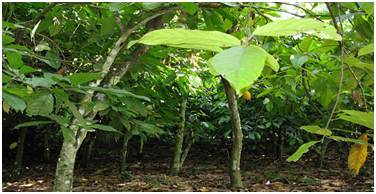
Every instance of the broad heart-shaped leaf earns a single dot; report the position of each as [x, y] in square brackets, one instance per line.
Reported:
[358, 155]
[302, 149]
[361, 118]
[80, 78]
[294, 26]
[195, 39]
[316, 129]
[240, 65]
[39, 103]
[14, 101]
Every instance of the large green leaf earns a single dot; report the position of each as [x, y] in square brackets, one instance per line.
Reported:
[195, 39]
[116, 6]
[28, 124]
[316, 129]
[39, 103]
[367, 49]
[108, 25]
[52, 63]
[361, 118]
[294, 26]
[14, 60]
[302, 149]
[189, 7]
[80, 78]
[75, 112]
[240, 65]
[14, 101]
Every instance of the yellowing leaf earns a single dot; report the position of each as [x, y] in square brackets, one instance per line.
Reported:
[358, 155]
[6, 106]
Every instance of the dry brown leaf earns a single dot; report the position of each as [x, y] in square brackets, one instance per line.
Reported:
[358, 155]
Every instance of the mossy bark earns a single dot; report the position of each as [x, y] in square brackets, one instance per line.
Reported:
[123, 158]
[16, 172]
[176, 160]
[237, 137]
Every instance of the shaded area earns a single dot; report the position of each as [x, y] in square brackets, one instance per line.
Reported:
[204, 170]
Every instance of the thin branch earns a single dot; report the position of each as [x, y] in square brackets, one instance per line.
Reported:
[47, 9]
[360, 85]
[342, 43]
[308, 95]
[118, 21]
[315, 16]
[333, 17]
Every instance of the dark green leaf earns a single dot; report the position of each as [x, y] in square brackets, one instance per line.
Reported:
[6, 78]
[105, 128]
[39, 103]
[80, 78]
[68, 134]
[53, 64]
[189, 7]
[14, 101]
[28, 124]
[108, 25]
[27, 69]
[14, 60]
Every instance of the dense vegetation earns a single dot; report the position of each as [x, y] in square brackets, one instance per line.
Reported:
[112, 79]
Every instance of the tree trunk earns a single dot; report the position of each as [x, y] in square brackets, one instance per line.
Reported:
[46, 151]
[237, 137]
[190, 140]
[18, 161]
[175, 163]
[124, 152]
[324, 147]
[87, 152]
[65, 163]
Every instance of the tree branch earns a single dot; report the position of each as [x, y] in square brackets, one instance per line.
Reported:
[44, 12]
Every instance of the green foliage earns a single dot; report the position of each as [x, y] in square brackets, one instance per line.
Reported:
[362, 118]
[196, 39]
[302, 149]
[240, 65]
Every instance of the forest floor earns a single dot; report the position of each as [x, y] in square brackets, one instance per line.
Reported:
[204, 170]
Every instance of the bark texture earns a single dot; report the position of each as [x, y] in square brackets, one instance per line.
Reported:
[19, 155]
[175, 164]
[237, 137]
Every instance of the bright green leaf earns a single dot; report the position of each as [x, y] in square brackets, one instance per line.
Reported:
[14, 60]
[189, 7]
[294, 26]
[116, 6]
[316, 129]
[367, 49]
[115, 91]
[7, 39]
[271, 62]
[196, 39]
[358, 141]
[6, 78]
[302, 149]
[27, 69]
[361, 118]
[42, 47]
[240, 65]
[13, 145]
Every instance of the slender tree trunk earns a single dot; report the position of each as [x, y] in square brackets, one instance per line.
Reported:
[237, 137]
[19, 155]
[175, 163]
[324, 147]
[46, 151]
[191, 139]
[67, 158]
[124, 152]
[87, 152]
